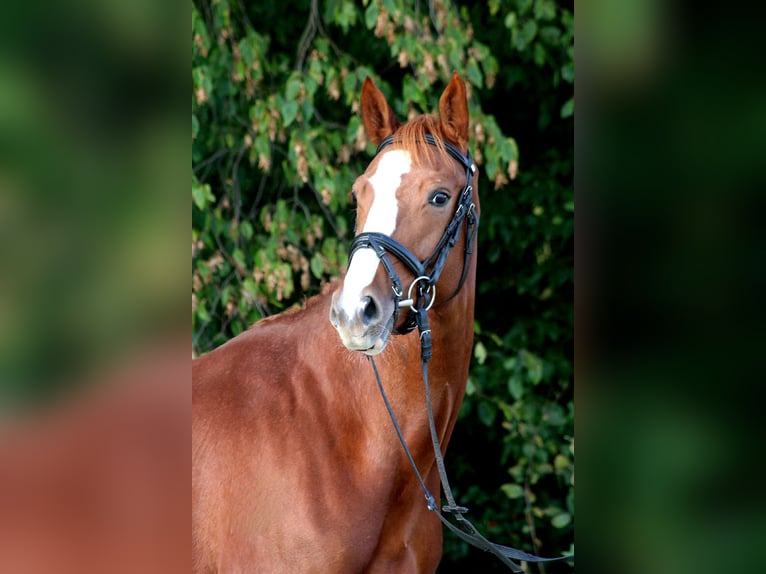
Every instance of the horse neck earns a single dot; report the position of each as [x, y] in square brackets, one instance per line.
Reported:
[452, 336]
[451, 325]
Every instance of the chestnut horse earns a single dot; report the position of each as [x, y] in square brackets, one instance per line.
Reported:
[296, 465]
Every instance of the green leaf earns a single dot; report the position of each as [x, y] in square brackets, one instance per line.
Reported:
[515, 386]
[239, 257]
[263, 146]
[201, 194]
[568, 108]
[411, 92]
[316, 265]
[535, 371]
[293, 87]
[225, 294]
[567, 72]
[561, 520]
[526, 35]
[456, 57]
[539, 54]
[249, 286]
[289, 111]
[474, 74]
[487, 412]
[311, 85]
[480, 352]
[349, 83]
[202, 312]
[288, 285]
[545, 10]
[512, 490]
[371, 15]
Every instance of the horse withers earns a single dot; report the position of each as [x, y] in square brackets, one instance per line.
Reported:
[296, 466]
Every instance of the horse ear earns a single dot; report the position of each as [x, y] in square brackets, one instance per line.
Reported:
[379, 119]
[453, 110]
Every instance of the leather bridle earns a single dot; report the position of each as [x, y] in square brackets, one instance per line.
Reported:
[426, 280]
[426, 272]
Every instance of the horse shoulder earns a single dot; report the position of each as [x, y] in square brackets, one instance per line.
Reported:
[280, 449]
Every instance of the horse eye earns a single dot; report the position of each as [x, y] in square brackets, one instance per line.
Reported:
[439, 198]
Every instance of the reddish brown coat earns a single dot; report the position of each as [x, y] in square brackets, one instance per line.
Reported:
[296, 465]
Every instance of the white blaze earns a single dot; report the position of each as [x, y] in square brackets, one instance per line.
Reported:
[381, 219]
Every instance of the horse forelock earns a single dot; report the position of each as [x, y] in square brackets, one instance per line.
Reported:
[412, 137]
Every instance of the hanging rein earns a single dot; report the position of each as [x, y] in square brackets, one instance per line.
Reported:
[426, 276]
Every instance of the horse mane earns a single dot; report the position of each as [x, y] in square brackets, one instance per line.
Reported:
[411, 137]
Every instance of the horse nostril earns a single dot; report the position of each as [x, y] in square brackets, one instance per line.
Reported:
[369, 311]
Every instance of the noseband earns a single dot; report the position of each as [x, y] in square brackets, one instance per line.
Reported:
[426, 272]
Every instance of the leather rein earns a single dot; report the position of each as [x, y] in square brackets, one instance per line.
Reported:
[426, 282]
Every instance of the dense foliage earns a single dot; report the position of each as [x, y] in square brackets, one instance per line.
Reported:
[276, 141]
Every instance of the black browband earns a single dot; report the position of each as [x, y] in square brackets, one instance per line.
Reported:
[382, 243]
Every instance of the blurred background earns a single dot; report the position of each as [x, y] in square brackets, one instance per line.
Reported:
[94, 356]
[669, 146]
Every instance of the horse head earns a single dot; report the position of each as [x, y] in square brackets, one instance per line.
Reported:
[415, 203]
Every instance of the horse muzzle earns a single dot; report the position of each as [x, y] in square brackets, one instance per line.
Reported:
[364, 323]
